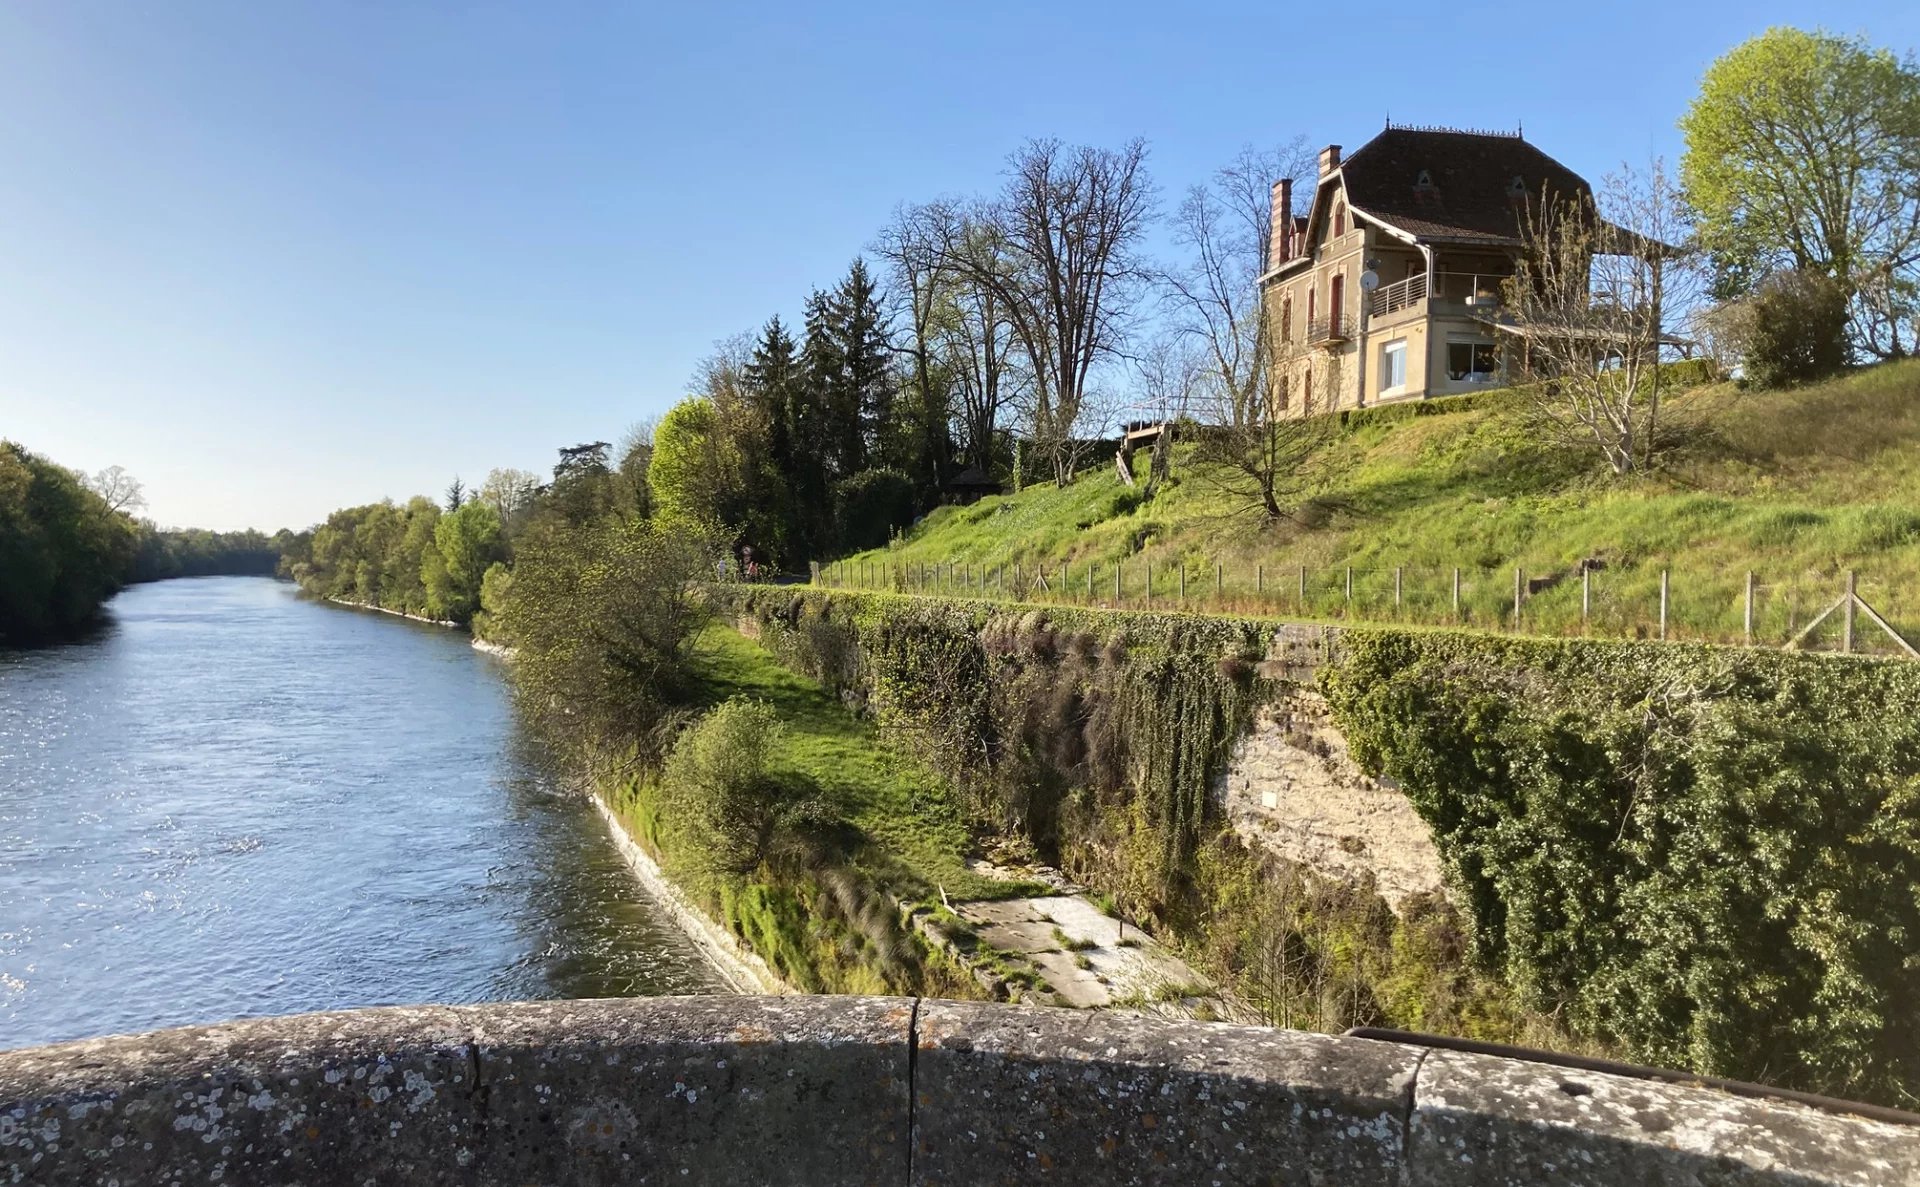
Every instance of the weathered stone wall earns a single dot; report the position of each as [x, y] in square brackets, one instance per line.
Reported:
[871, 1091]
[1292, 788]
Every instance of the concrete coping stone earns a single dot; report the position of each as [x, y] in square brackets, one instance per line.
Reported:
[853, 1090]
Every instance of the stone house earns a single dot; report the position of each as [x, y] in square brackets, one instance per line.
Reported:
[1389, 287]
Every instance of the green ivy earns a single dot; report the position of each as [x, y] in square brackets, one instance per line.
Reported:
[1709, 857]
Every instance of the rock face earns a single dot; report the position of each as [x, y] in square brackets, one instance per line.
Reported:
[1291, 788]
[871, 1091]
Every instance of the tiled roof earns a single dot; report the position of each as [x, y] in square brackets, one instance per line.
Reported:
[1454, 187]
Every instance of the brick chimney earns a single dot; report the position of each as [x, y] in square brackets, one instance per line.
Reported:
[1280, 225]
[1329, 159]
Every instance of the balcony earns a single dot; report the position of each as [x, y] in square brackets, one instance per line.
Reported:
[1471, 291]
[1322, 331]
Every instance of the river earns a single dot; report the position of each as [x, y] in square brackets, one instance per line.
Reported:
[234, 801]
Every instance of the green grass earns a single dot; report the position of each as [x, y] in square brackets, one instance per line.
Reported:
[913, 820]
[1797, 486]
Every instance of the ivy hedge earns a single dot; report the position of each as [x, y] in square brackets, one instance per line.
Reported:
[1696, 857]
[1707, 856]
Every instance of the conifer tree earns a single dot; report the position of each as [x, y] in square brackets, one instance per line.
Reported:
[866, 358]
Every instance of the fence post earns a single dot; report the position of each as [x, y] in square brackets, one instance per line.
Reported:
[1259, 579]
[1349, 589]
[1456, 593]
[1303, 588]
[1183, 583]
[1216, 581]
[1119, 598]
[1664, 575]
[1586, 595]
[1146, 579]
[1846, 624]
[1519, 589]
[1066, 587]
[1089, 583]
[1749, 607]
[1397, 571]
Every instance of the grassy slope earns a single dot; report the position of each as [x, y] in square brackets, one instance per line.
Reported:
[1798, 486]
[906, 811]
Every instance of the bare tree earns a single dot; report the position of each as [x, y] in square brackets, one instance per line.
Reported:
[1595, 283]
[1065, 266]
[120, 489]
[917, 274]
[1255, 383]
[1169, 373]
[977, 343]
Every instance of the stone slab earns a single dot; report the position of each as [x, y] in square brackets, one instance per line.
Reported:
[1011, 1095]
[1484, 1121]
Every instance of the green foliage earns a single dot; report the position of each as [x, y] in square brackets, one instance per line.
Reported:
[466, 541]
[496, 591]
[1793, 330]
[1802, 151]
[718, 787]
[1707, 857]
[603, 616]
[695, 469]
[63, 550]
[868, 506]
[378, 555]
[195, 552]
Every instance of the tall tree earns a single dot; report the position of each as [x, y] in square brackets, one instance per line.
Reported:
[1803, 151]
[121, 490]
[798, 434]
[823, 362]
[866, 365]
[1067, 266]
[920, 282]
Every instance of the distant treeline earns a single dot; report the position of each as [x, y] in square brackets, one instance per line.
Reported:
[196, 552]
[416, 557]
[69, 542]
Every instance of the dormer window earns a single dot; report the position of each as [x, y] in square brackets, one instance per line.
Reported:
[1424, 181]
[1518, 186]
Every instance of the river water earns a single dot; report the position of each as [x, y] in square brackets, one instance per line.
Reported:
[234, 801]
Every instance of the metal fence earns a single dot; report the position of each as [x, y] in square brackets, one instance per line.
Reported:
[1842, 611]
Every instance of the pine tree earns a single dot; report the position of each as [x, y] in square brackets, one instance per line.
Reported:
[773, 383]
[866, 400]
[835, 435]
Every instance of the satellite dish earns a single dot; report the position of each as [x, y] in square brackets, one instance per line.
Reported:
[1369, 280]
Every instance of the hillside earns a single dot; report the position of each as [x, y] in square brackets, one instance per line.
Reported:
[1797, 486]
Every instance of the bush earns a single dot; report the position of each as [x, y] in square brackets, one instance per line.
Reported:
[1793, 330]
[719, 789]
[867, 507]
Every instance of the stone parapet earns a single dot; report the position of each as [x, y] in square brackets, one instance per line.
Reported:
[847, 1090]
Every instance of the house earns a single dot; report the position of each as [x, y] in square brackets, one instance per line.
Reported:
[1389, 287]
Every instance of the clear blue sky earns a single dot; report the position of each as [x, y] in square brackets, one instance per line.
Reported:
[279, 257]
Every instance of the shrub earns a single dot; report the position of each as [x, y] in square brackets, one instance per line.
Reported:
[719, 789]
[867, 507]
[1793, 330]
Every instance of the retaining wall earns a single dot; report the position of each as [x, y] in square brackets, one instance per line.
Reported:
[844, 1090]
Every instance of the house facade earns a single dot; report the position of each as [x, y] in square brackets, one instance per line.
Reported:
[1389, 287]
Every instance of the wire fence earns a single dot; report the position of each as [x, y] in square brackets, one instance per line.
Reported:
[1838, 611]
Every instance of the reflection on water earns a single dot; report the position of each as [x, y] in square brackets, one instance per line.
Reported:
[237, 802]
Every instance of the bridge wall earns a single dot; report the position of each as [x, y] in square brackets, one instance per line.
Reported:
[808, 1090]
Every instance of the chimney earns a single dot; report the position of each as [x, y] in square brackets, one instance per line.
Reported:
[1280, 224]
[1329, 159]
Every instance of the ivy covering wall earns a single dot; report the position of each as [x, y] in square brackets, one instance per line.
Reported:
[1693, 857]
[1708, 856]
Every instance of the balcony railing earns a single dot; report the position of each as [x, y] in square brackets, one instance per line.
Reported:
[1325, 331]
[1401, 294]
[1480, 290]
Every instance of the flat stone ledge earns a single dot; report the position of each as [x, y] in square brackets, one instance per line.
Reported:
[882, 1091]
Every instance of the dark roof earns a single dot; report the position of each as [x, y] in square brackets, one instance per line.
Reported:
[1467, 193]
[971, 476]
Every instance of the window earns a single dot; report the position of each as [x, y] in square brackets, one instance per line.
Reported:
[1339, 219]
[1312, 292]
[1472, 362]
[1286, 319]
[1393, 365]
[1285, 395]
[1336, 302]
